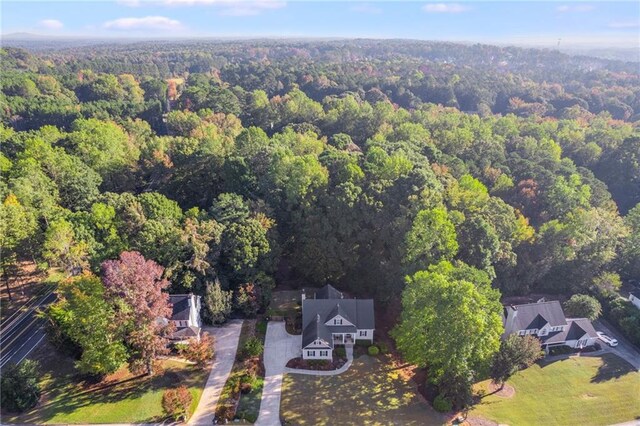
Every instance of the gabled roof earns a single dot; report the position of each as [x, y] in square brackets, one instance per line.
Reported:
[328, 292]
[185, 332]
[538, 322]
[576, 329]
[316, 312]
[583, 326]
[338, 310]
[180, 306]
[533, 315]
[315, 330]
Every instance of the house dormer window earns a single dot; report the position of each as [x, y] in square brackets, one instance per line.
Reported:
[337, 321]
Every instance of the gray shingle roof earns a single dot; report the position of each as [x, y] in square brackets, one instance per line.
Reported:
[180, 306]
[533, 315]
[316, 312]
[184, 332]
[314, 330]
[328, 292]
[576, 329]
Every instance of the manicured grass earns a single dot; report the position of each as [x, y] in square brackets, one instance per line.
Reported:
[123, 399]
[371, 392]
[574, 391]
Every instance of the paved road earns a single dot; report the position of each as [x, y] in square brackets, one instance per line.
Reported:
[624, 350]
[225, 346]
[279, 348]
[22, 334]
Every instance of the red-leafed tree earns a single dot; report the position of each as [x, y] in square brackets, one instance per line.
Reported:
[135, 286]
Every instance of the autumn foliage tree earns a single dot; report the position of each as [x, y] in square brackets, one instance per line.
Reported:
[176, 402]
[135, 285]
[200, 351]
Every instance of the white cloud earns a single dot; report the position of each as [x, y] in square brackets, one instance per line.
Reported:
[575, 8]
[233, 7]
[146, 23]
[50, 24]
[623, 25]
[129, 3]
[445, 8]
[366, 8]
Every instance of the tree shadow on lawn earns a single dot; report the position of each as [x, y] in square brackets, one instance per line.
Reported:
[370, 388]
[612, 367]
[68, 393]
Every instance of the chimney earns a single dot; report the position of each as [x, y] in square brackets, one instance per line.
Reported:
[304, 295]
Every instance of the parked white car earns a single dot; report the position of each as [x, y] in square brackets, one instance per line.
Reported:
[608, 340]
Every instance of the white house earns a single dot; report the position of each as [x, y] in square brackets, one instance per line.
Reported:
[633, 298]
[328, 319]
[186, 317]
[546, 321]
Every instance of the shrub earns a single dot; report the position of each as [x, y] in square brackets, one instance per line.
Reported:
[261, 327]
[181, 348]
[200, 351]
[20, 387]
[252, 347]
[442, 404]
[176, 402]
[373, 350]
[340, 352]
[383, 347]
[560, 350]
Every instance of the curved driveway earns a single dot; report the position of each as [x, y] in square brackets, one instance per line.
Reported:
[279, 348]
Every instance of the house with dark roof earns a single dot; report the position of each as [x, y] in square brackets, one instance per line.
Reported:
[634, 297]
[328, 319]
[546, 321]
[185, 316]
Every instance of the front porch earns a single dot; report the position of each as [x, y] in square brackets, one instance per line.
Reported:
[343, 338]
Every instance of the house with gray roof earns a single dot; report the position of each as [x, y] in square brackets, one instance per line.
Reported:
[634, 298]
[185, 316]
[328, 319]
[546, 321]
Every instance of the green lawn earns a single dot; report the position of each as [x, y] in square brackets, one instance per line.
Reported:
[125, 399]
[574, 391]
[369, 393]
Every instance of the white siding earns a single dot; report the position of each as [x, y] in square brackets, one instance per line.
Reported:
[317, 354]
[318, 343]
[634, 300]
[338, 320]
[364, 335]
[583, 342]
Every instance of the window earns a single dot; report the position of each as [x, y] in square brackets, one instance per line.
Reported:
[363, 333]
[324, 353]
[337, 321]
[311, 353]
[521, 332]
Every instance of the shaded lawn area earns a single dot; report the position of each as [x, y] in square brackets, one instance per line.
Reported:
[122, 399]
[371, 392]
[284, 302]
[575, 391]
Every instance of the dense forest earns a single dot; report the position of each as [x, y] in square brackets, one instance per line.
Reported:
[359, 163]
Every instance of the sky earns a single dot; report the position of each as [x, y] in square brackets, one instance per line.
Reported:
[540, 23]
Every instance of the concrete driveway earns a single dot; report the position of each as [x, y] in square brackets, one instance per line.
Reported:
[624, 350]
[279, 348]
[225, 345]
